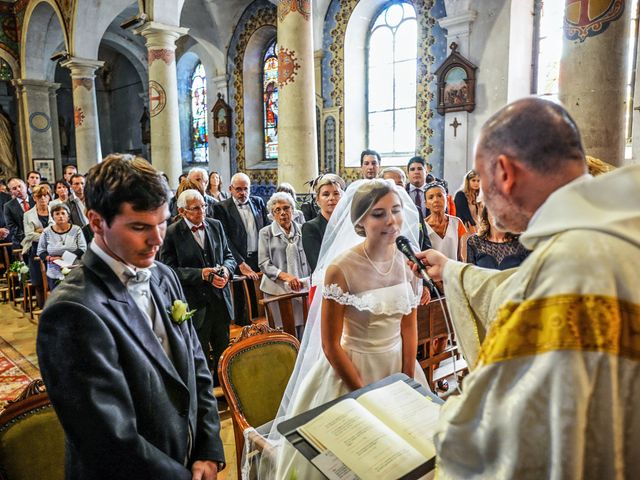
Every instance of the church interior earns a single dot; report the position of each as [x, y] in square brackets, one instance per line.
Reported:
[287, 90]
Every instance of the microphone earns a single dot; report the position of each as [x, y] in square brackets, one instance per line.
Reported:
[404, 246]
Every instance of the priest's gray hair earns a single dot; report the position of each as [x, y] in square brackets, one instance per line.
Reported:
[366, 197]
[280, 197]
[187, 195]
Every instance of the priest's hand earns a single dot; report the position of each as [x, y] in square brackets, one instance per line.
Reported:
[434, 261]
[204, 470]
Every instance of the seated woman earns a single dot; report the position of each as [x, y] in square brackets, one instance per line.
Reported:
[35, 221]
[491, 248]
[328, 190]
[58, 238]
[281, 257]
[468, 207]
[62, 193]
[444, 231]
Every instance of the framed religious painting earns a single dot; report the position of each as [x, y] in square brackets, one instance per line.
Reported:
[456, 83]
[44, 166]
[221, 118]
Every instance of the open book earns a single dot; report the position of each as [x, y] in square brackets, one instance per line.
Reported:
[385, 433]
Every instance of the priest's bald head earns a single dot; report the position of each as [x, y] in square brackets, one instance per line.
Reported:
[525, 152]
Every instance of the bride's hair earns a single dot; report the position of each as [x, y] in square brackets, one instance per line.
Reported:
[366, 197]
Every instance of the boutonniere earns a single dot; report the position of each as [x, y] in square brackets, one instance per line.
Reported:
[180, 312]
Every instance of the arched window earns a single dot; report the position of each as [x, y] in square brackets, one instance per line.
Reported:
[270, 101]
[199, 127]
[391, 82]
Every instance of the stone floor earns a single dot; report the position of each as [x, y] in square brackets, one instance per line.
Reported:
[20, 331]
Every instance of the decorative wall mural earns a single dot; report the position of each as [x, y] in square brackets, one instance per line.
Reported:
[9, 30]
[167, 55]
[78, 116]
[588, 18]
[82, 82]
[40, 122]
[157, 98]
[287, 66]
[259, 14]
[301, 6]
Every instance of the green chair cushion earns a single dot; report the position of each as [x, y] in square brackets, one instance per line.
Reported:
[32, 447]
[259, 376]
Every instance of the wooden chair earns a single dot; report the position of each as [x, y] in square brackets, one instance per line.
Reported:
[435, 345]
[35, 312]
[241, 281]
[5, 264]
[31, 437]
[17, 256]
[253, 372]
[285, 306]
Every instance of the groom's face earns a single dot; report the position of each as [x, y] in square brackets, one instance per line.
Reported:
[134, 237]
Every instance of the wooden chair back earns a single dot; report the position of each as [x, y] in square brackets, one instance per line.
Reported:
[31, 437]
[241, 281]
[43, 274]
[253, 372]
[285, 306]
[5, 264]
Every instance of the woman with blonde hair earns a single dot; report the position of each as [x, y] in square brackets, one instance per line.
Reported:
[468, 206]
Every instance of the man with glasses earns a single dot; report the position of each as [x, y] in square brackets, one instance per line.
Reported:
[243, 216]
[196, 248]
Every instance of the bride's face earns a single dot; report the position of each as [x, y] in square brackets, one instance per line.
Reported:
[384, 221]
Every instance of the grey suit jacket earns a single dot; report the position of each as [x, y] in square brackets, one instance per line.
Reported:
[127, 410]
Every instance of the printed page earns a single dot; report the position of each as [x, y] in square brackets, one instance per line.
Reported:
[407, 412]
[362, 442]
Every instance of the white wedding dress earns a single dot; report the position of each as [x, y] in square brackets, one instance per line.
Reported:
[376, 298]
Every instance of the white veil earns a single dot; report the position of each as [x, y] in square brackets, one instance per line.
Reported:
[339, 237]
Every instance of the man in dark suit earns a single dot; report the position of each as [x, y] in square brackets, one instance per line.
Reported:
[124, 370]
[197, 250]
[242, 217]
[76, 201]
[14, 210]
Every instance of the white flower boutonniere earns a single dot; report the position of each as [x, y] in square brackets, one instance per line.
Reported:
[180, 312]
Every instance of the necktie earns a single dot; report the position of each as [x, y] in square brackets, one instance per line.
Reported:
[195, 229]
[141, 277]
[418, 199]
[25, 205]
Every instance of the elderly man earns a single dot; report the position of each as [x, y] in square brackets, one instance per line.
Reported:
[369, 164]
[395, 174]
[243, 216]
[201, 177]
[14, 210]
[196, 248]
[555, 343]
[76, 201]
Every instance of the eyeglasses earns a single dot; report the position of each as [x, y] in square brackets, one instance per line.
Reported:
[196, 208]
[278, 210]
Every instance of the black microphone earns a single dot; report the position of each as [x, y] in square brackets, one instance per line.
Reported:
[404, 246]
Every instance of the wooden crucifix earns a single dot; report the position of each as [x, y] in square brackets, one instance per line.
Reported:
[455, 124]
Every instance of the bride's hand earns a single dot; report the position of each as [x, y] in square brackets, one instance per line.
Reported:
[434, 261]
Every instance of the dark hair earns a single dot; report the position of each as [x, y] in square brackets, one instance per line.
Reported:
[61, 182]
[77, 175]
[484, 227]
[369, 152]
[34, 171]
[539, 133]
[416, 159]
[430, 178]
[219, 184]
[60, 206]
[124, 178]
[365, 198]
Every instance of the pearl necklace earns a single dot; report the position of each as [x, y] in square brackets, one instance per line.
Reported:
[393, 261]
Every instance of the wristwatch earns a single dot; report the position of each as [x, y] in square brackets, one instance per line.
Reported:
[221, 466]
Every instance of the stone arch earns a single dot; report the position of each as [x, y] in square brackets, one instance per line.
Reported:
[43, 34]
[11, 60]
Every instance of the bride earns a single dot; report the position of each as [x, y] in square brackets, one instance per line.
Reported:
[363, 326]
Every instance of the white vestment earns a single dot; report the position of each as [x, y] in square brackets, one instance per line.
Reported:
[554, 346]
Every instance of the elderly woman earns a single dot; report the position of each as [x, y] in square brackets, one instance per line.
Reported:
[35, 221]
[281, 257]
[298, 216]
[445, 231]
[57, 239]
[328, 191]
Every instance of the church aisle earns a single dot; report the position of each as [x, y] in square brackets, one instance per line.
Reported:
[18, 346]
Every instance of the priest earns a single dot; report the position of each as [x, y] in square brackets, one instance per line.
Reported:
[554, 346]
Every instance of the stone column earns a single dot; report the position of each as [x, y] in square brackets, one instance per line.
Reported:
[297, 142]
[85, 111]
[166, 155]
[37, 114]
[457, 160]
[593, 79]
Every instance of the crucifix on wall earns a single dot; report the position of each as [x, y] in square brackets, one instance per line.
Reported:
[455, 124]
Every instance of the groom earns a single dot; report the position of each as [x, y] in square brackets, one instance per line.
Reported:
[126, 376]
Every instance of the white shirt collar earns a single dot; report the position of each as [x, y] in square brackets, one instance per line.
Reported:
[122, 270]
[412, 187]
[238, 203]
[189, 224]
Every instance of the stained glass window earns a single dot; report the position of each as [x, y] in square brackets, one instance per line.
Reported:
[548, 47]
[270, 92]
[392, 63]
[5, 70]
[199, 127]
